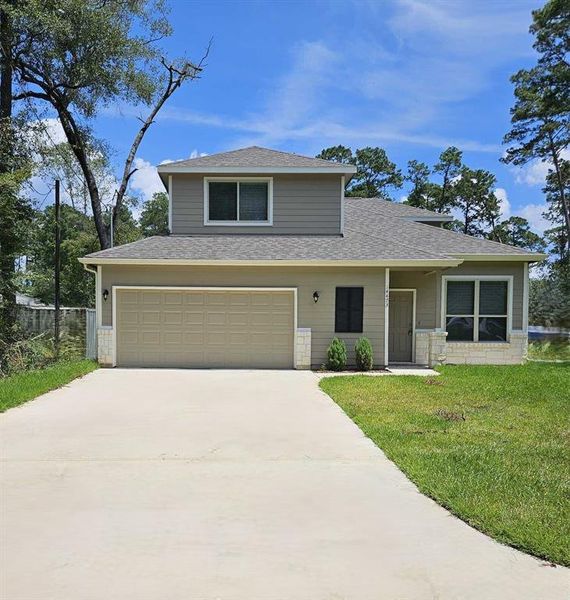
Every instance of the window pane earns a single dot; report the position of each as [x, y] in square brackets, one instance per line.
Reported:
[222, 201]
[459, 329]
[349, 309]
[493, 298]
[460, 297]
[253, 201]
[356, 306]
[493, 329]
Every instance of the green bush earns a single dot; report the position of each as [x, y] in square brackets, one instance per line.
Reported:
[364, 355]
[336, 355]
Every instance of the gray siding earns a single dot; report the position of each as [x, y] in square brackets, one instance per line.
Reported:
[319, 317]
[302, 204]
[428, 286]
[427, 294]
[516, 269]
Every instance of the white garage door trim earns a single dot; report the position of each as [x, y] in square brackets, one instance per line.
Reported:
[187, 288]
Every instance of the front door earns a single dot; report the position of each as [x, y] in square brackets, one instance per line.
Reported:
[401, 326]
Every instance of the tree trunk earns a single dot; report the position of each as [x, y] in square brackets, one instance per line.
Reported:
[560, 183]
[7, 258]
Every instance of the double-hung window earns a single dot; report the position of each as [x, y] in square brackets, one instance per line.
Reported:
[477, 309]
[242, 201]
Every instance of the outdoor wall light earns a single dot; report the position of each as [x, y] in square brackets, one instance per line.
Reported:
[105, 295]
[316, 297]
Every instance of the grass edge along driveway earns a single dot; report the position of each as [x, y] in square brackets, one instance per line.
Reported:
[21, 387]
[489, 443]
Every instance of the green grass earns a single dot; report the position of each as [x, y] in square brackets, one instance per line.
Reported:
[555, 350]
[491, 444]
[19, 388]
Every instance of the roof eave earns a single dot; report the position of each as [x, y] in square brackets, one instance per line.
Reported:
[447, 262]
[340, 170]
[529, 257]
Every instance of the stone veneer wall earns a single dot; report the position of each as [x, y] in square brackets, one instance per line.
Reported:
[105, 339]
[513, 352]
[303, 348]
[432, 349]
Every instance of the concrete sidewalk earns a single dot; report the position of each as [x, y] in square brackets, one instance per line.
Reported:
[183, 485]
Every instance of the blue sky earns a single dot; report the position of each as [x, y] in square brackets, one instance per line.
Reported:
[412, 76]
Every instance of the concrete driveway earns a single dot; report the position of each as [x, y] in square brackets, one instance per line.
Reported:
[169, 485]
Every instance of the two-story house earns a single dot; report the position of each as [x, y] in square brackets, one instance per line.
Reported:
[267, 261]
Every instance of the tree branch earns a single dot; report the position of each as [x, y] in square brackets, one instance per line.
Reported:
[176, 77]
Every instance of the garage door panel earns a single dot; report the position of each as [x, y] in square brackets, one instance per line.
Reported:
[151, 297]
[149, 317]
[223, 329]
[172, 317]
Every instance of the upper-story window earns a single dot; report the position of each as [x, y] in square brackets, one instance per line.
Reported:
[238, 201]
[477, 309]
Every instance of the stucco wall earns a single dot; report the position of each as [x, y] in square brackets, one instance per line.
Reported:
[301, 204]
[318, 317]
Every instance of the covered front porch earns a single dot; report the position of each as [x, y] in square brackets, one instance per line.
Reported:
[483, 321]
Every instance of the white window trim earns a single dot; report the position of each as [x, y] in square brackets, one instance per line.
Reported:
[237, 222]
[477, 280]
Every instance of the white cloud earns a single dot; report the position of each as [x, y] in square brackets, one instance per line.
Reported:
[535, 172]
[533, 214]
[504, 204]
[145, 179]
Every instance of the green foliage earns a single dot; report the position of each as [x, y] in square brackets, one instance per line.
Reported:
[489, 443]
[78, 238]
[154, 216]
[516, 232]
[336, 355]
[340, 154]
[540, 117]
[102, 49]
[15, 216]
[548, 299]
[552, 350]
[375, 173]
[364, 354]
[475, 199]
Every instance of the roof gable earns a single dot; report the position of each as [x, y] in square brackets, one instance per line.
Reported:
[255, 160]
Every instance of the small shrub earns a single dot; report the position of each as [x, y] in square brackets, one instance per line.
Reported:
[336, 355]
[364, 355]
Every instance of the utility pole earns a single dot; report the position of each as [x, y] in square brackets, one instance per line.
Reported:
[57, 269]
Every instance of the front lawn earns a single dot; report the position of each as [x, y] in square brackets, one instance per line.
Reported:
[491, 444]
[19, 388]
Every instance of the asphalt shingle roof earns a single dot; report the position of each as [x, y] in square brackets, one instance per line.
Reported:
[374, 230]
[254, 157]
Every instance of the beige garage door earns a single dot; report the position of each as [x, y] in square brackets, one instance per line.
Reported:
[205, 328]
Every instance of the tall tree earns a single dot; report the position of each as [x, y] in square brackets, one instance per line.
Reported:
[540, 116]
[476, 201]
[78, 239]
[339, 153]
[376, 173]
[449, 167]
[78, 55]
[418, 176]
[154, 215]
[516, 231]
[15, 211]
